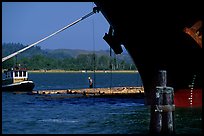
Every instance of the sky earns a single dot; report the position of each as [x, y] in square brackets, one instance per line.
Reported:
[28, 22]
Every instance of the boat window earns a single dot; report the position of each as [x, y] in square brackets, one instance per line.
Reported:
[24, 73]
[4, 76]
[20, 73]
[8, 74]
[16, 73]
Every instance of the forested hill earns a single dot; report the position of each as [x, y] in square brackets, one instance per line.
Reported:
[68, 59]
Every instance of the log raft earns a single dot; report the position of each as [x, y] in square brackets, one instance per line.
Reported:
[98, 92]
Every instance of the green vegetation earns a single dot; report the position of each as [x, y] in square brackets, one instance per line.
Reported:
[38, 59]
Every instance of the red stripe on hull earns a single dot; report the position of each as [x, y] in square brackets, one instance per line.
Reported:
[188, 98]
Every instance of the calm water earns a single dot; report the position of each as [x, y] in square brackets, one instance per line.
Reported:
[31, 114]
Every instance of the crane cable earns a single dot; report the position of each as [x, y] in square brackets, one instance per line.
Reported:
[94, 56]
[95, 9]
[111, 69]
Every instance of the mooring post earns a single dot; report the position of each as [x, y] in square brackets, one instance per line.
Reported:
[162, 107]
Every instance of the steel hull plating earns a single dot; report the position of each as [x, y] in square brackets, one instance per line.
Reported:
[188, 98]
[154, 37]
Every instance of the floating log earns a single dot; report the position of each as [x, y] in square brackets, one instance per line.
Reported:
[114, 91]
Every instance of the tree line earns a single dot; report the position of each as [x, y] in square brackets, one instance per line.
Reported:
[81, 62]
[40, 60]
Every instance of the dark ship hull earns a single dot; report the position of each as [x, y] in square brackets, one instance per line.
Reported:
[153, 35]
[25, 86]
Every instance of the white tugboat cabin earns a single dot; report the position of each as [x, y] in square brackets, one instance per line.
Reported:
[16, 79]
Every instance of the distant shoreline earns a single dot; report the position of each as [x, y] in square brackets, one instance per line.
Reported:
[82, 71]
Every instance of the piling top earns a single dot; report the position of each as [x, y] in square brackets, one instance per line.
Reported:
[162, 78]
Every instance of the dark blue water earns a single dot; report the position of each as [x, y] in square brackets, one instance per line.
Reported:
[80, 80]
[33, 114]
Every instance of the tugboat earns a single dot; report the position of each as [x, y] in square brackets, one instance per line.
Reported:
[16, 80]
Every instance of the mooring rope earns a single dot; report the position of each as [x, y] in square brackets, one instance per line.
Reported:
[62, 29]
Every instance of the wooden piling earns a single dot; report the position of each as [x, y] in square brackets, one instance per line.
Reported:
[168, 112]
[162, 107]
